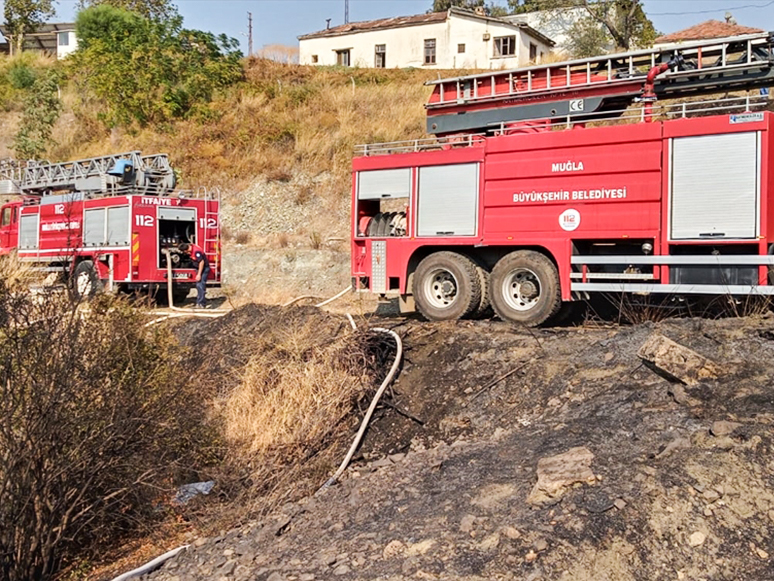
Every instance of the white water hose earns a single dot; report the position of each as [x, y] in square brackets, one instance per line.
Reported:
[318, 305]
[151, 565]
[367, 418]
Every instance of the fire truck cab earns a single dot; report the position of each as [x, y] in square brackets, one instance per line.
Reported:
[529, 214]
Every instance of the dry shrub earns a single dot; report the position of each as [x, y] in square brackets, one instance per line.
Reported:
[243, 237]
[288, 418]
[304, 195]
[279, 174]
[18, 276]
[95, 430]
[315, 240]
[283, 240]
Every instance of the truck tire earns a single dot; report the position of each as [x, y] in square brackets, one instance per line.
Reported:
[525, 288]
[484, 306]
[446, 287]
[85, 282]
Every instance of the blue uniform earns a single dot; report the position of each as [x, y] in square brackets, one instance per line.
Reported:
[198, 256]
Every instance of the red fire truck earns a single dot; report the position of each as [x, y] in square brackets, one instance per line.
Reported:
[110, 222]
[546, 183]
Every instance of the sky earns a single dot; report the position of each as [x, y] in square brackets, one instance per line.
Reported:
[282, 21]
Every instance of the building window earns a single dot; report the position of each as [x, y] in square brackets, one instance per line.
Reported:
[380, 56]
[64, 38]
[460, 48]
[342, 58]
[315, 59]
[505, 46]
[532, 51]
[430, 51]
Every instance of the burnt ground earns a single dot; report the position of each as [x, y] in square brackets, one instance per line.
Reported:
[439, 489]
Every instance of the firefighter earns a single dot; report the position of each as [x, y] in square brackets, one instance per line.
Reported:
[203, 271]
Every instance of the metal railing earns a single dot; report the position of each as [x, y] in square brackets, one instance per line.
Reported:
[634, 114]
[425, 144]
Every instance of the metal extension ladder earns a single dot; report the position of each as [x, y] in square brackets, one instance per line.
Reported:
[578, 88]
[153, 175]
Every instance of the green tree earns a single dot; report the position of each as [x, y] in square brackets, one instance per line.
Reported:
[496, 11]
[587, 39]
[490, 9]
[42, 108]
[624, 21]
[150, 71]
[23, 17]
[153, 9]
[444, 5]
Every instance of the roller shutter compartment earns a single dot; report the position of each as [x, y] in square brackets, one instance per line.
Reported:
[384, 184]
[715, 187]
[448, 200]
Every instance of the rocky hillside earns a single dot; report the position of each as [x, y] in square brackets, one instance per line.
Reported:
[567, 453]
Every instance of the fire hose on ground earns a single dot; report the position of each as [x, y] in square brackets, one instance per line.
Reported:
[367, 418]
[159, 561]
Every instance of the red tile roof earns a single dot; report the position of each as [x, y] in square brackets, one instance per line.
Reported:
[709, 29]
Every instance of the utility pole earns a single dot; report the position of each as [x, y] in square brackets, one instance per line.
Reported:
[346, 11]
[249, 34]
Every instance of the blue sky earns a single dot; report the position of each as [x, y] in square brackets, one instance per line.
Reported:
[281, 21]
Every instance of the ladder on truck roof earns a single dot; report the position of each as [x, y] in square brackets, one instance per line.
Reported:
[579, 89]
[105, 175]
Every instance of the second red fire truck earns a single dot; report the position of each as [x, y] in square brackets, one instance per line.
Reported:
[109, 222]
[548, 183]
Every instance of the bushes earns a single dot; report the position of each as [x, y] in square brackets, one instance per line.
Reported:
[18, 74]
[93, 427]
[150, 71]
[41, 111]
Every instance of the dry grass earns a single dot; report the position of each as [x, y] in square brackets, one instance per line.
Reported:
[287, 419]
[282, 119]
[300, 380]
[18, 276]
[315, 240]
[292, 395]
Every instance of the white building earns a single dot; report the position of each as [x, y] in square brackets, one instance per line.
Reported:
[66, 42]
[456, 39]
[55, 39]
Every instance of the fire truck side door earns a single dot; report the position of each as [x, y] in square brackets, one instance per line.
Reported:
[7, 227]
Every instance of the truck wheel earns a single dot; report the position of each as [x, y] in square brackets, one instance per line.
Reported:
[86, 283]
[446, 287]
[525, 288]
